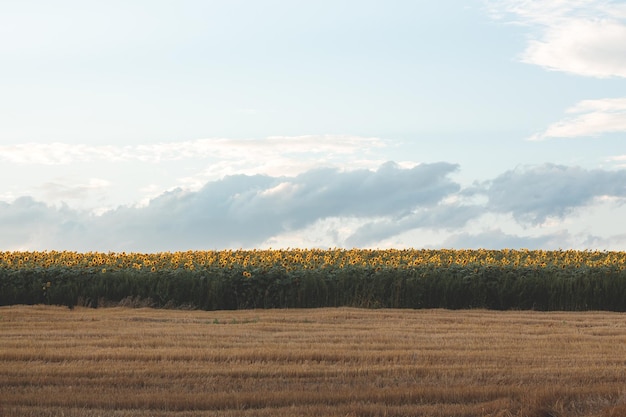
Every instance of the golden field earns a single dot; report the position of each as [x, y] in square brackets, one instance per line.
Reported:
[310, 362]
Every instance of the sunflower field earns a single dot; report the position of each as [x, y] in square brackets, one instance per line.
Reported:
[294, 278]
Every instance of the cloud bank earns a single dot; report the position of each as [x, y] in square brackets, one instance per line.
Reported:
[369, 206]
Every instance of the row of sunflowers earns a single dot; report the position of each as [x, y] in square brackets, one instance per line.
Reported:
[293, 278]
[291, 259]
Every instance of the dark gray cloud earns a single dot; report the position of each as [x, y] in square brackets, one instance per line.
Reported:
[237, 210]
[245, 211]
[389, 191]
[533, 194]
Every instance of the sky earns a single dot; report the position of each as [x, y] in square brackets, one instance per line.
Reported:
[147, 126]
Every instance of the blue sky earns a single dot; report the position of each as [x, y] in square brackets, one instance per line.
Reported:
[158, 126]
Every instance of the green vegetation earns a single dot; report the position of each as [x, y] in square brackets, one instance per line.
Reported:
[275, 279]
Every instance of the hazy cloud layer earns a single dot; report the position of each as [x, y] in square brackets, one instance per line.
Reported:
[61, 191]
[496, 238]
[245, 211]
[244, 150]
[619, 160]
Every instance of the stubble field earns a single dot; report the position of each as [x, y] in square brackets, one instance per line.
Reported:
[310, 362]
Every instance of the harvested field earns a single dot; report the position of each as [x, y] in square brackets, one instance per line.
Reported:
[316, 362]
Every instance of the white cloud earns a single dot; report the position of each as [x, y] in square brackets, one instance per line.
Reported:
[54, 153]
[591, 118]
[62, 191]
[330, 232]
[283, 189]
[583, 37]
[582, 47]
[543, 12]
